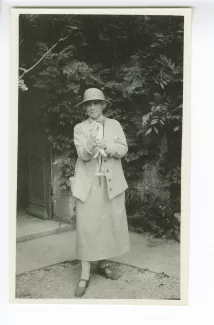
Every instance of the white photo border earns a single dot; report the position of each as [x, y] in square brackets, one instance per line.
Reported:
[185, 183]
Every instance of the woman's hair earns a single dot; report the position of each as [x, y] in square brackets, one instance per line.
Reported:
[104, 104]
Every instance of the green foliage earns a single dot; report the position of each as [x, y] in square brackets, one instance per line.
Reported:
[136, 60]
[164, 113]
[67, 167]
[157, 216]
[154, 215]
[22, 85]
[133, 200]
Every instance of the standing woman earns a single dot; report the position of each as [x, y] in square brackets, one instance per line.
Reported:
[101, 222]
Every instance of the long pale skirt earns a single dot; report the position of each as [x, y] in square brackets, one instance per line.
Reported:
[101, 224]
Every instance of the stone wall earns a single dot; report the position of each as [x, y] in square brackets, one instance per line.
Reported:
[151, 181]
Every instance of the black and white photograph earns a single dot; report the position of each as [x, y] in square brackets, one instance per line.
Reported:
[101, 206]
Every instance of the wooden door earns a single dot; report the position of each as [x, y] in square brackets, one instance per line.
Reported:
[40, 188]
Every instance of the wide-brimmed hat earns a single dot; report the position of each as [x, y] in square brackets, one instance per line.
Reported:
[94, 94]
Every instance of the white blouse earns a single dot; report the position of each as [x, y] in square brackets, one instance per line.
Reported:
[100, 169]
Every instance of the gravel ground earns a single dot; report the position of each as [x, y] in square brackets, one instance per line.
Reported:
[59, 282]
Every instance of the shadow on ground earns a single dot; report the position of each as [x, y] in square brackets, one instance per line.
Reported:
[59, 281]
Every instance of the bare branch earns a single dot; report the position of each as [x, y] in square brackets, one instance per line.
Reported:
[23, 69]
[21, 41]
[177, 108]
[31, 68]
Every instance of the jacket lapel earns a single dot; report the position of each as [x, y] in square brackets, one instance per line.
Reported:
[87, 126]
[107, 131]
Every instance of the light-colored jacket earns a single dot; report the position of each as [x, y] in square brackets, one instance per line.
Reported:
[86, 164]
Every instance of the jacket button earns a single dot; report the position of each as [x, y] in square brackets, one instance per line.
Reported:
[105, 160]
[107, 170]
[109, 179]
[110, 189]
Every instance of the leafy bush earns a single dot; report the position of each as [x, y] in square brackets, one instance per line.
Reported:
[154, 214]
[157, 216]
[137, 61]
[67, 167]
[143, 81]
[133, 200]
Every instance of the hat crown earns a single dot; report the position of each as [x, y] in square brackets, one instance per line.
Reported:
[93, 94]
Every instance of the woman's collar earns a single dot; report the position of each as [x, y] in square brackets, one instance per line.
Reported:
[98, 120]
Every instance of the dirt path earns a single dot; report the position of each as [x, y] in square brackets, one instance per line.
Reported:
[59, 282]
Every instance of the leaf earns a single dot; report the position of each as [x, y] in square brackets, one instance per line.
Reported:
[127, 159]
[104, 37]
[176, 128]
[143, 152]
[72, 27]
[148, 131]
[135, 57]
[157, 96]
[68, 183]
[139, 132]
[156, 130]
[154, 122]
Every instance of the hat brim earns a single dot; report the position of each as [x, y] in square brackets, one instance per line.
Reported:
[89, 100]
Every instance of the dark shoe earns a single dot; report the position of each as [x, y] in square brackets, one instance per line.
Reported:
[80, 291]
[108, 273]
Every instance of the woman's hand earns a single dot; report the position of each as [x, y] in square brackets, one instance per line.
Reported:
[101, 144]
[91, 144]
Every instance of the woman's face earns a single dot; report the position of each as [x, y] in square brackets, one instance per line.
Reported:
[94, 108]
